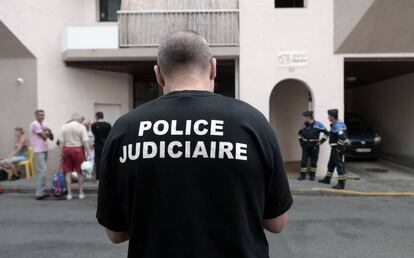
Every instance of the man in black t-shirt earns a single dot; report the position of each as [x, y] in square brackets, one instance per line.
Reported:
[192, 173]
[100, 130]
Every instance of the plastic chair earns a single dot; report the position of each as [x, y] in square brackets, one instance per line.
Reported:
[29, 168]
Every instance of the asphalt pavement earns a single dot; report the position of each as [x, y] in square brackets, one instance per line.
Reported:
[319, 227]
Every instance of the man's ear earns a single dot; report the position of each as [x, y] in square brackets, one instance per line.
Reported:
[213, 69]
[160, 78]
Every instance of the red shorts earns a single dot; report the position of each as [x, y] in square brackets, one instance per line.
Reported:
[72, 159]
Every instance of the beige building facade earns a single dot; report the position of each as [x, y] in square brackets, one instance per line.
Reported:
[65, 57]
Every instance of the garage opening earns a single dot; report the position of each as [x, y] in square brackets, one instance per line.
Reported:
[379, 108]
[288, 100]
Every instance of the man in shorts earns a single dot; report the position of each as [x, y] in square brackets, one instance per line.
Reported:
[75, 145]
[192, 174]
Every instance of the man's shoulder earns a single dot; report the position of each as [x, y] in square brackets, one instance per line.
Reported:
[70, 126]
[319, 125]
[34, 123]
[80, 127]
[107, 124]
[243, 108]
[339, 126]
[64, 127]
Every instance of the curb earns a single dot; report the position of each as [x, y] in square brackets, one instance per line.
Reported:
[362, 193]
[297, 192]
[348, 193]
[30, 190]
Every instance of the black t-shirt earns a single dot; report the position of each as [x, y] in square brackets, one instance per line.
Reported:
[192, 174]
[100, 131]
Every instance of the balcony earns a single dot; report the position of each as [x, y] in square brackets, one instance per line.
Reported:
[145, 28]
[141, 25]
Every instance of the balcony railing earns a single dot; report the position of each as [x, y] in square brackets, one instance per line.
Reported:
[145, 28]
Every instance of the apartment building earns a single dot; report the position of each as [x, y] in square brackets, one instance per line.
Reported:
[281, 56]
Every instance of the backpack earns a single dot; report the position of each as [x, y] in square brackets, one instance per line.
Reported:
[59, 184]
[3, 175]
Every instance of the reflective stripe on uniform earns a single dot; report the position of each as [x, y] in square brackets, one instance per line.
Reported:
[341, 142]
[329, 174]
[341, 178]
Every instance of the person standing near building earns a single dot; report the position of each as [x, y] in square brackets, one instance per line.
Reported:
[192, 173]
[91, 151]
[337, 139]
[309, 139]
[100, 130]
[39, 134]
[75, 143]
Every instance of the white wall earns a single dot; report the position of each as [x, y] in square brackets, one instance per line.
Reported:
[288, 101]
[62, 90]
[17, 102]
[388, 106]
[347, 15]
[265, 30]
[87, 37]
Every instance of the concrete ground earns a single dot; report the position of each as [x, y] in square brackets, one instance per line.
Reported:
[365, 178]
[319, 227]
[379, 177]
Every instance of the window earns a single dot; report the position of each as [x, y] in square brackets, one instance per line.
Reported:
[108, 10]
[289, 3]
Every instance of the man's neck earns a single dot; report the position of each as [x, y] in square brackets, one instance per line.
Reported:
[188, 82]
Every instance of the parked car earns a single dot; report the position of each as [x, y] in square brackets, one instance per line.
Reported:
[363, 142]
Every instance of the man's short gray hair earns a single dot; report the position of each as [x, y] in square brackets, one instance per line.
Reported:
[77, 117]
[183, 50]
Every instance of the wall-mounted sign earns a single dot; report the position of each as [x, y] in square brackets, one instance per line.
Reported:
[292, 58]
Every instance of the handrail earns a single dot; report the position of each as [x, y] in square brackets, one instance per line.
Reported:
[140, 28]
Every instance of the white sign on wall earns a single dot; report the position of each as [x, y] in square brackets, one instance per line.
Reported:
[292, 58]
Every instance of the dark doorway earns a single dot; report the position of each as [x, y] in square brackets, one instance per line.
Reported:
[146, 87]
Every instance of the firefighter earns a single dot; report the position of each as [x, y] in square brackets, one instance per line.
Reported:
[337, 141]
[309, 139]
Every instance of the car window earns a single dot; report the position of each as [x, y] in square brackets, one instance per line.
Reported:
[355, 124]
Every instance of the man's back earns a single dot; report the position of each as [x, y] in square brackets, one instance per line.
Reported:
[100, 130]
[192, 174]
[74, 134]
